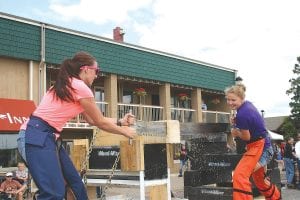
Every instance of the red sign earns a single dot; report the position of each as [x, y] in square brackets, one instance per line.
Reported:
[14, 112]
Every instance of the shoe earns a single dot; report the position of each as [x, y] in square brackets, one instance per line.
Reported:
[180, 175]
[290, 186]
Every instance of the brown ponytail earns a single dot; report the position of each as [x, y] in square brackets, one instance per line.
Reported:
[70, 68]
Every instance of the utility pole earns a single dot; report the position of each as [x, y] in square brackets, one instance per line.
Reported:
[262, 113]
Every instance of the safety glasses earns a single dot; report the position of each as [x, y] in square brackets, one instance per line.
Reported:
[96, 68]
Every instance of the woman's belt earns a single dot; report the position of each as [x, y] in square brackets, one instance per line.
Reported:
[45, 123]
[255, 139]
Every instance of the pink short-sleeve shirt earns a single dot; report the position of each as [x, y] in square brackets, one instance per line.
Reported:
[57, 112]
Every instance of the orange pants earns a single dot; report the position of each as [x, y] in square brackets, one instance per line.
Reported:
[242, 189]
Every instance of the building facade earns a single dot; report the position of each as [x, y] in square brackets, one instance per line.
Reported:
[31, 51]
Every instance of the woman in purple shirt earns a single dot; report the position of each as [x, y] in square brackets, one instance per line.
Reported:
[249, 126]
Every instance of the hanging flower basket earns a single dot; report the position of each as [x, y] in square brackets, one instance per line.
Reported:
[140, 92]
[183, 97]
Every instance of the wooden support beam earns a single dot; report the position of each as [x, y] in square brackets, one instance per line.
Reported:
[170, 155]
[78, 152]
[132, 155]
[152, 133]
[158, 192]
[173, 131]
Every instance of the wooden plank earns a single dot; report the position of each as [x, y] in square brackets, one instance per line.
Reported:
[152, 132]
[173, 131]
[158, 192]
[203, 128]
[170, 155]
[91, 191]
[81, 142]
[132, 155]
[154, 128]
[108, 139]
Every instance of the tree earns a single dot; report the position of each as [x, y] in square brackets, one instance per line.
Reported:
[294, 92]
[288, 128]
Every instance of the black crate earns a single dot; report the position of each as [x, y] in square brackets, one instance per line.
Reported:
[215, 161]
[213, 144]
[199, 178]
[104, 157]
[155, 159]
[208, 193]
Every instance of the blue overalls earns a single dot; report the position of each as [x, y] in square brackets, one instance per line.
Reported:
[49, 165]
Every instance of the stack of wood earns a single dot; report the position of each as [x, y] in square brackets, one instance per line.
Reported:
[211, 163]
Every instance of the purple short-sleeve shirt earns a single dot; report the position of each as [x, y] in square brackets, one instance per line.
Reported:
[248, 118]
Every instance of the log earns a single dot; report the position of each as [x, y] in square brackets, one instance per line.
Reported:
[199, 178]
[167, 131]
[211, 162]
[208, 192]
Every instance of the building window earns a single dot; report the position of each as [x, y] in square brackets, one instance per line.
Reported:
[9, 155]
[9, 158]
[99, 93]
[99, 97]
[127, 97]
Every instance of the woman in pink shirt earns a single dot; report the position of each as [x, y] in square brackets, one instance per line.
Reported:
[49, 165]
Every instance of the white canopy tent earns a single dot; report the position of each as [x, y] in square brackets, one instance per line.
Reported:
[275, 136]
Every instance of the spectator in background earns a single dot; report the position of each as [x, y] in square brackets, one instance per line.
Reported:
[282, 145]
[288, 158]
[297, 151]
[182, 158]
[277, 151]
[204, 106]
[22, 173]
[12, 188]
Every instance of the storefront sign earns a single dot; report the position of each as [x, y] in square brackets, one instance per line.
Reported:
[14, 112]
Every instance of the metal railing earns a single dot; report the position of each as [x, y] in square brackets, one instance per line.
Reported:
[182, 114]
[215, 117]
[141, 112]
[79, 120]
[154, 113]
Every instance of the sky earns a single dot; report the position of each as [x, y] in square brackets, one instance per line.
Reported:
[258, 38]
